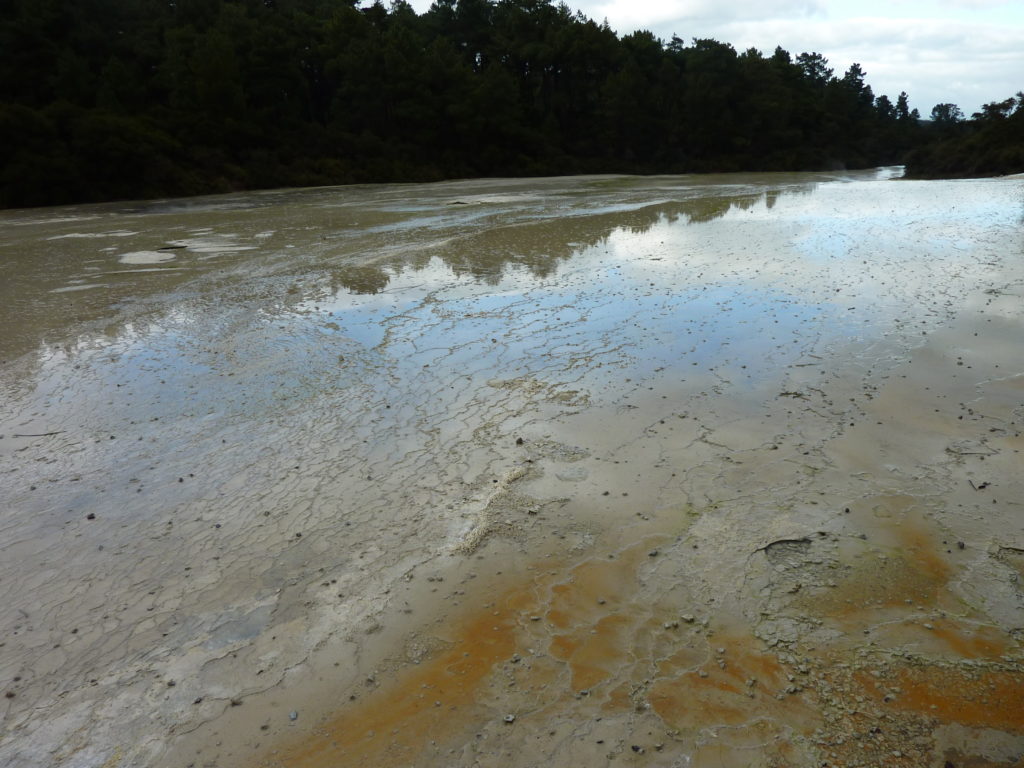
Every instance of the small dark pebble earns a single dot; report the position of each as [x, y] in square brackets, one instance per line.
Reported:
[9, 695]
[90, 516]
[519, 441]
[960, 545]
[197, 700]
[236, 702]
[638, 749]
[653, 553]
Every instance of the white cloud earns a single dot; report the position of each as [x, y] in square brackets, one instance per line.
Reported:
[933, 59]
[968, 52]
[637, 14]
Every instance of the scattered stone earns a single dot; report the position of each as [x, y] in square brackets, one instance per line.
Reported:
[293, 715]
[91, 516]
[236, 702]
[653, 553]
[510, 718]
[638, 749]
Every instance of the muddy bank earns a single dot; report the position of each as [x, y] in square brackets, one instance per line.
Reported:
[678, 471]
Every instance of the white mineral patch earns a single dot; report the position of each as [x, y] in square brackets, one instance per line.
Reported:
[70, 288]
[93, 235]
[146, 257]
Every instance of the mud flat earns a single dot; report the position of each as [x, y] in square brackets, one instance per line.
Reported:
[677, 471]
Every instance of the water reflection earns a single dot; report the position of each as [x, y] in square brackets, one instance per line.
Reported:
[542, 245]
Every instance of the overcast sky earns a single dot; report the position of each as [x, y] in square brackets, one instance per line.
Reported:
[968, 52]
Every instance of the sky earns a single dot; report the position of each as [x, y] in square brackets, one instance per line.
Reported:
[966, 52]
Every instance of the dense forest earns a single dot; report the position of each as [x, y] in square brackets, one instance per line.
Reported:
[115, 99]
[990, 144]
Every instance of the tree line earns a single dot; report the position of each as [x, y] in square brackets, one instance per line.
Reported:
[991, 143]
[118, 99]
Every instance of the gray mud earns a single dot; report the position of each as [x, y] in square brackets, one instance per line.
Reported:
[682, 471]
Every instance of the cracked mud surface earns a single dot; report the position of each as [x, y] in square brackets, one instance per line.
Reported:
[676, 471]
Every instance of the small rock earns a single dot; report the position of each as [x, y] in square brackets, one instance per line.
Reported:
[510, 718]
[293, 715]
[638, 749]
[91, 516]
[653, 553]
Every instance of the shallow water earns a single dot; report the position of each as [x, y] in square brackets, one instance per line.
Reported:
[396, 458]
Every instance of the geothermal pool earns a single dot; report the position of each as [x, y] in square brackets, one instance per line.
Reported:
[678, 471]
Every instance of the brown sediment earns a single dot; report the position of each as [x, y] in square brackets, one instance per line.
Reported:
[423, 704]
[905, 567]
[742, 682]
[595, 617]
[969, 642]
[960, 760]
[989, 698]
[596, 655]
